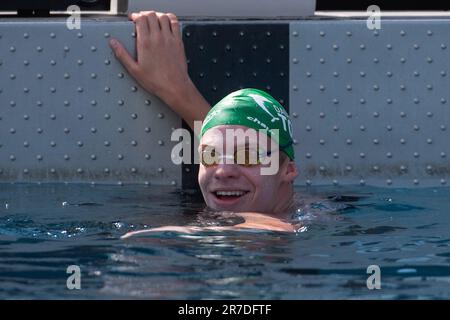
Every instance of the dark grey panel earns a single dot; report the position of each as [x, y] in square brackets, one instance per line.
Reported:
[224, 57]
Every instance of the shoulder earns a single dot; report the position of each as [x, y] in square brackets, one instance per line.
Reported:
[255, 220]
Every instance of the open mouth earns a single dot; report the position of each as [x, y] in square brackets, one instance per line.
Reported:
[229, 195]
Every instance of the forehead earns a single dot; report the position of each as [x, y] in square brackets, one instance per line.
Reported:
[221, 135]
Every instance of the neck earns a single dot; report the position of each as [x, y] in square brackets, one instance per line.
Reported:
[283, 209]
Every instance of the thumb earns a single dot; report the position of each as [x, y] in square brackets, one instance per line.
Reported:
[123, 56]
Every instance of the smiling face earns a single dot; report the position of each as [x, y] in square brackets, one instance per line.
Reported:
[239, 188]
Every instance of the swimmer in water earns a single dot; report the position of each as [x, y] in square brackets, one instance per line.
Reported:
[252, 177]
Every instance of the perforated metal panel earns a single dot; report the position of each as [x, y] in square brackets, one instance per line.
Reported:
[371, 107]
[70, 112]
[367, 107]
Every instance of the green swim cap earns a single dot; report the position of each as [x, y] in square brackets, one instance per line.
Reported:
[255, 109]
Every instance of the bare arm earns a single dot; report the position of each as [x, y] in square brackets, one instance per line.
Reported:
[253, 220]
[161, 66]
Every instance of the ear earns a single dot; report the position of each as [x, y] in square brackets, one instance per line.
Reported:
[290, 172]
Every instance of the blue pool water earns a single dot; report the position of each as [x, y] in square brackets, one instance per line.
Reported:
[45, 228]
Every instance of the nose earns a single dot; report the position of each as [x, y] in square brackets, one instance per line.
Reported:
[226, 171]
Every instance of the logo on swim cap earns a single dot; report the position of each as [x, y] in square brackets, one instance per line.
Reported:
[255, 109]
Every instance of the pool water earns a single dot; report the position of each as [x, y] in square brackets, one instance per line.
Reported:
[46, 228]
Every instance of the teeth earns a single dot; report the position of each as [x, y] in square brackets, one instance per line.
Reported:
[230, 193]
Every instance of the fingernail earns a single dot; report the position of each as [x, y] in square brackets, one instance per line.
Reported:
[113, 42]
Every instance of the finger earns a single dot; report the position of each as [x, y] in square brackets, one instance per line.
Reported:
[133, 15]
[142, 28]
[150, 13]
[147, 12]
[153, 22]
[164, 22]
[123, 56]
[175, 25]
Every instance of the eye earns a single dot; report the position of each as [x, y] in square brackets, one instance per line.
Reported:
[208, 156]
[246, 157]
[263, 155]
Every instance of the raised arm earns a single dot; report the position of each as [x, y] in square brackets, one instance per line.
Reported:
[161, 66]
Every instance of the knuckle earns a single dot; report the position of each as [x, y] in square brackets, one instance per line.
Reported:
[172, 17]
[165, 19]
[140, 19]
[175, 25]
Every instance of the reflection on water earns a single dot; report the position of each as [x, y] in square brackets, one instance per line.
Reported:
[44, 229]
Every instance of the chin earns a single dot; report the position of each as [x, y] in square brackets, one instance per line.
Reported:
[233, 208]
